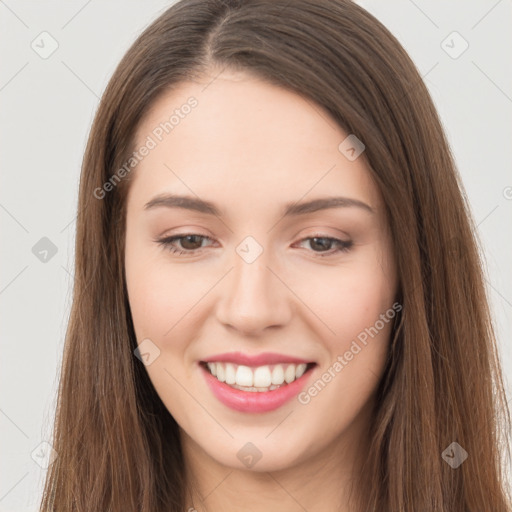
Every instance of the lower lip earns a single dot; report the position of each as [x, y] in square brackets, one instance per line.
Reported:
[255, 401]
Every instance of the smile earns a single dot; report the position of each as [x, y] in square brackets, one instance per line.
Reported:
[255, 389]
[261, 378]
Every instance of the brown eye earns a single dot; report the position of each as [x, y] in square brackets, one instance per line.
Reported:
[324, 244]
[190, 243]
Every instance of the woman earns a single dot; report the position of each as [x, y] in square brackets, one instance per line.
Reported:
[278, 297]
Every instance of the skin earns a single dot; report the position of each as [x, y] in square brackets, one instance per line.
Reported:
[251, 147]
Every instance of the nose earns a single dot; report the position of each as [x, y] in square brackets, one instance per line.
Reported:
[254, 297]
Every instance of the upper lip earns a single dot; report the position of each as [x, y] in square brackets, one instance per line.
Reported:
[254, 360]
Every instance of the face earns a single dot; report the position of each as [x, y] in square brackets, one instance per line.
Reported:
[257, 273]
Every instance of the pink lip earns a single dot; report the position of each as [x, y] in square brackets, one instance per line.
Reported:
[257, 401]
[257, 360]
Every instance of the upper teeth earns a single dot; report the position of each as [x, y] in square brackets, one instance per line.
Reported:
[261, 376]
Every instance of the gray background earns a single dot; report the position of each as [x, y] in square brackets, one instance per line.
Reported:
[47, 108]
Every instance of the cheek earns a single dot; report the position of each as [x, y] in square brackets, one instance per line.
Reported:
[350, 298]
[160, 297]
[162, 307]
[358, 306]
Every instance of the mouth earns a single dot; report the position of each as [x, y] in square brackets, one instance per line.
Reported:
[257, 379]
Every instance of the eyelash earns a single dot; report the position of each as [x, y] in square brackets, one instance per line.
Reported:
[343, 245]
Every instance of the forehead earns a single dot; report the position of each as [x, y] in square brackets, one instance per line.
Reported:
[244, 137]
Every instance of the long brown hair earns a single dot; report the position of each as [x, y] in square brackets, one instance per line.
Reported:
[117, 446]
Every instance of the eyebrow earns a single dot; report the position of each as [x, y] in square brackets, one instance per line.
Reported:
[290, 209]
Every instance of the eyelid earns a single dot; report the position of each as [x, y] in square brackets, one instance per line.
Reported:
[166, 242]
[168, 239]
